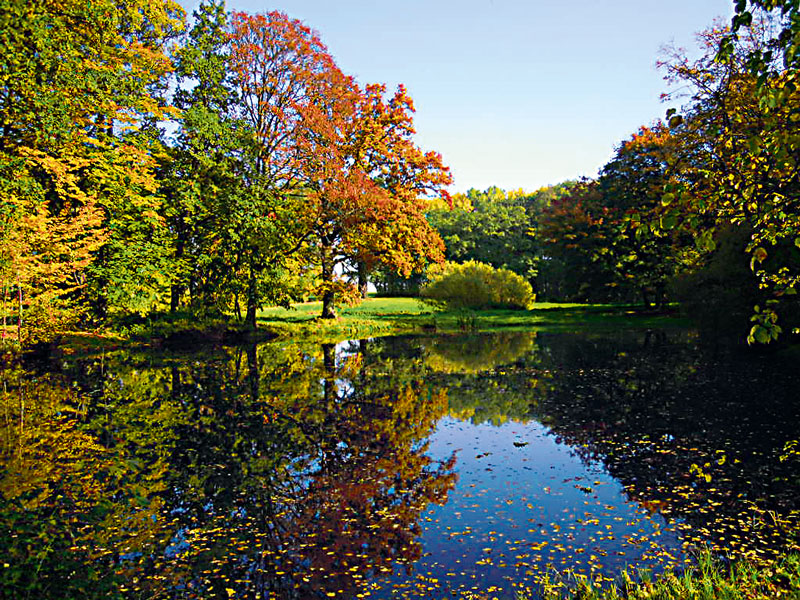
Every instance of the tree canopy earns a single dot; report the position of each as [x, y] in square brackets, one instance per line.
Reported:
[147, 166]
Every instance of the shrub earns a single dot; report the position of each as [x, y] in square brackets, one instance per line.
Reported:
[475, 285]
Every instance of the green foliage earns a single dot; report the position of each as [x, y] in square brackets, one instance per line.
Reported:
[491, 227]
[198, 173]
[719, 293]
[476, 285]
[80, 94]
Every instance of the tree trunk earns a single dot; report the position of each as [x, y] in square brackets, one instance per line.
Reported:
[328, 296]
[253, 374]
[661, 296]
[177, 290]
[645, 297]
[19, 315]
[100, 301]
[5, 293]
[176, 382]
[175, 297]
[252, 302]
[329, 381]
[328, 310]
[237, 307]
[363, 282]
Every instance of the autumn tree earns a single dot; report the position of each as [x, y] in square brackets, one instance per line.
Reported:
[738, 167]
[366, 180]
[277, 67]
[643, 259]
[575, 234]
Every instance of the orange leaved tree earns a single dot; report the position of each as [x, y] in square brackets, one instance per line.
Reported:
[366, 182]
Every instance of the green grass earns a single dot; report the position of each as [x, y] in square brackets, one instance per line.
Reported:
[708, 580]
[371, 308]
[372, 318]
[385, 316]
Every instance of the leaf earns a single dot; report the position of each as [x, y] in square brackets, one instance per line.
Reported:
[759, 334]
[669, 221]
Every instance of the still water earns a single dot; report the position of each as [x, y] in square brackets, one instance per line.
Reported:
[428, 466]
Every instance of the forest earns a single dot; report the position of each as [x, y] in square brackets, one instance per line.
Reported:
[216, 165]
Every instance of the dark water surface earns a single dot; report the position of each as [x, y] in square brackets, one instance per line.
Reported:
[431, 466]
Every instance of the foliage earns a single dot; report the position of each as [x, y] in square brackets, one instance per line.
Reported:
[735, 165]
[112, 202]
[574, 236]
[592, 244]
[632, 183]
[366, 179]
[78, 85]
[198, 172]
[492, 227]
[278, 67]
[476, 285]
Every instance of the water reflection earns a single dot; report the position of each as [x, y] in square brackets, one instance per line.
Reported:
[697, 437]
[267, 472]
[473, 353]
[389, 467]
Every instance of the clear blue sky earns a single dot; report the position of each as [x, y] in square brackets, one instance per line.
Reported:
[513, 93]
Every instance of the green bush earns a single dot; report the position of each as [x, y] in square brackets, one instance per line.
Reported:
[475, 285]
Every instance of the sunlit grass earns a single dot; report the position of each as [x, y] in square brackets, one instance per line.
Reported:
[381, 316]
[709, 579]
[373, 308]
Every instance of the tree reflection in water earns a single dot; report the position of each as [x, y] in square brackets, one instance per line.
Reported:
[264, 472]
[299, 470]
[693, 434]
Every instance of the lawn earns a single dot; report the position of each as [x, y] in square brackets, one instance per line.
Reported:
[384, 316]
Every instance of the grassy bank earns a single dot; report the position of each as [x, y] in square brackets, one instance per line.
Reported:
[386, 316]
[708, 580]
[373, 317]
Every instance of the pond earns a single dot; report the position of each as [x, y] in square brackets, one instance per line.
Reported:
[419, 466]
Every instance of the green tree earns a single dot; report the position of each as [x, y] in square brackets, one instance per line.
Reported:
[632, 184]
[78, 85]
[199, 174]
[492, 227]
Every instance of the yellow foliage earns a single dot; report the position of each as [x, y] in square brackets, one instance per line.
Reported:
[476, 285]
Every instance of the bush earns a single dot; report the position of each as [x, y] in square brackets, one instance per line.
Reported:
[475, 285]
